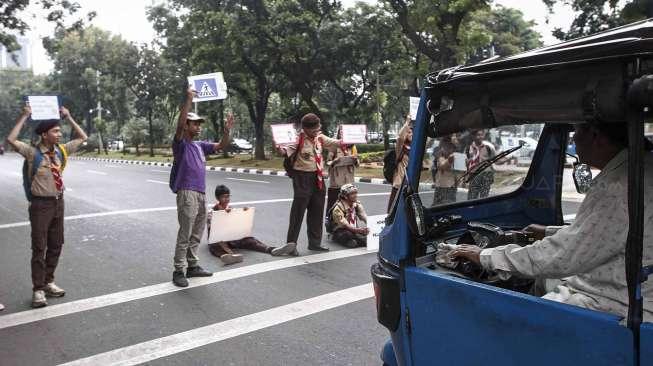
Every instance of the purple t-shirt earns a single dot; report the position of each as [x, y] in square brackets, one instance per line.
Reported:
[190, 164]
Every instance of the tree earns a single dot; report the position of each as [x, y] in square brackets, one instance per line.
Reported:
[593, 16]
[11, 19]
[135, 132]
[14, 84]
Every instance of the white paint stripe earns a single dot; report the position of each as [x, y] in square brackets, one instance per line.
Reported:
[96, 172]
[53, 311]
[181, 342]
[113, 166]
[569, 217]
[156, 181]
[169, 208]
[160, 171]
[248, 180]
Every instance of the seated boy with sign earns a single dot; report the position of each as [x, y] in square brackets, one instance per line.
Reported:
[347, 219]
[225, 249]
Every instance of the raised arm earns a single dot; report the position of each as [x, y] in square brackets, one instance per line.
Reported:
[183, 114]
[226, 137]
[81, 135]
[20, 122]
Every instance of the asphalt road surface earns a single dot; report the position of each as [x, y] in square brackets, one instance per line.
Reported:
[120, 306]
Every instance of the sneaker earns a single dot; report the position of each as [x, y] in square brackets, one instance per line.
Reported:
[318, 248]
[52, 290]
[228, 259]
[197, 271]
[179, 279]
[288, 248]
[2, 307]
[38, 299]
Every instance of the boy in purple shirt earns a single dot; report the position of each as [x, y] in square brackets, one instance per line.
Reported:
[188, 181]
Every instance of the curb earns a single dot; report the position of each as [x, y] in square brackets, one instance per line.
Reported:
[279, 173]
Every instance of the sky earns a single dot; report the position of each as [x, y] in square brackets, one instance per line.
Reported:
[128, 19]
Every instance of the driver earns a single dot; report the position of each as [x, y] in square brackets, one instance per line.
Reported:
[588, 256]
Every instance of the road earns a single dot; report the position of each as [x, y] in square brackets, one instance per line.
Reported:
[317, 309]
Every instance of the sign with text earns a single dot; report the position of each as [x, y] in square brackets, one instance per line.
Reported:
[414, 105]
[233, 225]
[44, 107]
[208, 86]
[284, 134]
[376, 223]
[354, 134]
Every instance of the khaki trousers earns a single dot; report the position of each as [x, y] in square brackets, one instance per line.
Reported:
[191, 214]
[46, 219]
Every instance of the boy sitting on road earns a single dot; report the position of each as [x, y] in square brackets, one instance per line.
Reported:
[348, 219]
[224, 249]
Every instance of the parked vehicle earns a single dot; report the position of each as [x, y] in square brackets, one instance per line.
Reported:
[437, 315]
[240, 145]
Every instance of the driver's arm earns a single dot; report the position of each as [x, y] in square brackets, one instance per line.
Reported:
[597, 235]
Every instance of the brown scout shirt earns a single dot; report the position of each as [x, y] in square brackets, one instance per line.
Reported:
[306, 157]
[43, 183]
[340, 214]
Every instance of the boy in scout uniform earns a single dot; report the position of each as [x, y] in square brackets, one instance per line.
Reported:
[43, 181]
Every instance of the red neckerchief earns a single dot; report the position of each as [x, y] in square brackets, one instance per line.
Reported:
[56, 172]
[352, 214]
[317, 146]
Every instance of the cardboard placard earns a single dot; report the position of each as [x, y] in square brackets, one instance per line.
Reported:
[284, 134]
[376, 223]
[459, 162]
[44, 107]
[414, 105]
[208, 86]
[354, 134]
[234, 225]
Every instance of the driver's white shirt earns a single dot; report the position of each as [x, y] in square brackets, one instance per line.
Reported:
[592, 249]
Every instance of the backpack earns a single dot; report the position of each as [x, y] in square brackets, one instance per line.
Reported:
[329, 225]
[389, 165]
[289, 161]
[28, 175]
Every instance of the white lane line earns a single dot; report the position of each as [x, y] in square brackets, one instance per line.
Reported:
[96, 172]
[570, 217]
[157, 181]
[113, 166]
[52, 311]
[161, 347]
[248, 180]
[169, 208]
[159, 171]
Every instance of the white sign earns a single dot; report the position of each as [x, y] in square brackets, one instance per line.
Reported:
[459, 160]
[284, 134]
[376, 223]
[414, 105]
[208, 86]
[233, 225]
[354, 134]
[44, 107]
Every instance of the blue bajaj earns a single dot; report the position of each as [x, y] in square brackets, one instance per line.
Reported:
[441, 311]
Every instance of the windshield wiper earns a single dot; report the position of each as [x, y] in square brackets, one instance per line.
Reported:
[478, 169]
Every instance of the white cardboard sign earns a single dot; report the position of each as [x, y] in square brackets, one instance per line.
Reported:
[208, 86]
[284, 134]
[234, 225]
[354, 134]
[459, 160]
[414, 105]
[44, 107]
[375, 223]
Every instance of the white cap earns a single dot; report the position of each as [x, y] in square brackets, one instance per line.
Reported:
[194, 117]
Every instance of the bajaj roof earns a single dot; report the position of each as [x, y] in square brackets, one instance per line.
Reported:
[580, 80]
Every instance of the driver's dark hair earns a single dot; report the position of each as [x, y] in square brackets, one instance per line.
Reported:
[220, 190]
[617, 133]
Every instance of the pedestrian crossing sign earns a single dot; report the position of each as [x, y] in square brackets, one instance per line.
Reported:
[208, 86]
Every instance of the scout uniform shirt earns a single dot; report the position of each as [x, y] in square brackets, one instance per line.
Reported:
[306, 158]
[343, 214]
[43, 183]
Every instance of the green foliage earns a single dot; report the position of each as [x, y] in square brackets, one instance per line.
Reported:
[135, 132]
[14, 84]
[366, 148]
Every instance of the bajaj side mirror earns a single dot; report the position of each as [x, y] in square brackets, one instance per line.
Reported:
[415, 214]
[582, 177]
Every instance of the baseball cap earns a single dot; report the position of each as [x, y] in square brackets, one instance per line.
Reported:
[194, 117]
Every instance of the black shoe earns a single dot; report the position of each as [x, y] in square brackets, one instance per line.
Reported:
[179, 279]
[318, 249]
[198, 271]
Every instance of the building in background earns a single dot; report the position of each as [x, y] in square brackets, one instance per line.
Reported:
[20, 59]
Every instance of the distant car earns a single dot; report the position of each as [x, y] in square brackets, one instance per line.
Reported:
[528, 145]
[240, 145]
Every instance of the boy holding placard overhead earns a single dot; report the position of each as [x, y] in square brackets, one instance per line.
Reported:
[188, 181]
[44, 188]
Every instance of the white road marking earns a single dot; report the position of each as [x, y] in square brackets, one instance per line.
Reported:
[169, 208]
[157, 181]
[53, 311]
[16, 174]
[570, 217]
[248, 180]
[160, 171]
[113, 166]
[161, 347]
[96, 172]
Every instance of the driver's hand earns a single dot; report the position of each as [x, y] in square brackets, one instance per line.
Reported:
[465, 251]
[537, 231]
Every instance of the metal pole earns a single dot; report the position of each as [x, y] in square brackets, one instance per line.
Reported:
[99, 111]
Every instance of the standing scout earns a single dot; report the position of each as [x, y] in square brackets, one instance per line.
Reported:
[308, 181]
[42, 178]
[188, 181]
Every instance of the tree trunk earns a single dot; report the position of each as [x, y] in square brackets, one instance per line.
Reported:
[138, 152]
[149, 121]
[225, 150]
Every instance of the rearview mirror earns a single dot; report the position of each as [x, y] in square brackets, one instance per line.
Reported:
[582, 177]
[415, 214]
